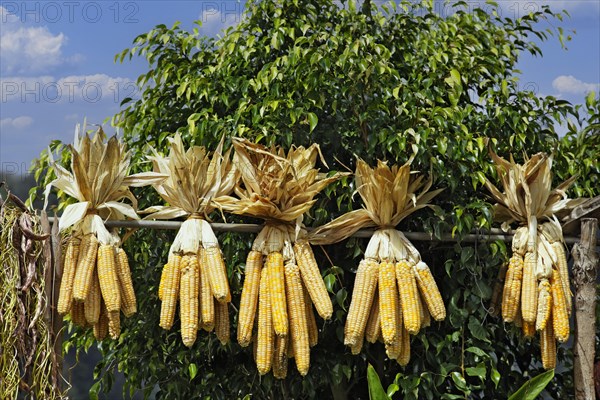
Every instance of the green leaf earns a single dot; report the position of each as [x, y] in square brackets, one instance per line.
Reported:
[533, 387]
[376, 391]
[329, 282]
[459, 381]
[94, 389]
[193, 369]
[313, 120]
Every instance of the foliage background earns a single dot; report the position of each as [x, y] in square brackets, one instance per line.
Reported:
[368, 82]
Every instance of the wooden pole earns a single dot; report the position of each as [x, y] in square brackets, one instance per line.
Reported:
[585, 269]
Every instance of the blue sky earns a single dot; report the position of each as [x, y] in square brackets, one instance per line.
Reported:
[56, 60]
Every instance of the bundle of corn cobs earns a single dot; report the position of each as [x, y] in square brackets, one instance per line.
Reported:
[195, 273]
[282, 277]
[536, 294]
[96, 281]
[394, 292]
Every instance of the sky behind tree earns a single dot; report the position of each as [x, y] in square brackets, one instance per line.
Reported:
[57, 68]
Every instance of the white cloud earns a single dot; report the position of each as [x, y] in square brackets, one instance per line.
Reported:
[219, 16]
[28, 49]
[568, 84]
[20, 122]
[70, 89]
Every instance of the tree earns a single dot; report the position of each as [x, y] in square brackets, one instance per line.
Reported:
[369, 82]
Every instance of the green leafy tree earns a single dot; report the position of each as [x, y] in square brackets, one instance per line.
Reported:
[360, 81]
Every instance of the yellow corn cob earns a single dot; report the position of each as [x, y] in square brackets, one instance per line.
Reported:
[101, 327]
[548, 347]
[277, 292]
[249, 298]
[388, 300]
[544, 305]
[222, 321]
[280, 359]
[373, 329]
[425, 316]
[188, 299]
[265, 334]
[313, 330]
[128, 300]
[65, 296]
[363, 293]
[409, 296]
[394, 348]
[357, 347]
[93, 302]
[207, 305]
[495, 306]
[430, 291]
[528, 329]
[170, 291]
[163, 278]
[563, 268]
[297, 312]
[529, 288]
[560, 317]
[107, 274]
[85, 268]
[404, 356]
[518, 321]
[78, 314]
[511, 295]
[309, 270]
[114, 324]
[290, 347]
[217, 274]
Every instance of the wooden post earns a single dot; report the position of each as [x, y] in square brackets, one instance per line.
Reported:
[585, 268]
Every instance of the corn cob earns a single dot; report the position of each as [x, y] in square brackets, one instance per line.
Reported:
[276, 281]
[217, 274]
[511, 295]
[188, 299]
[297, 313]
[249, 298]
[430, 291]
[388, 301]
[222, 321]
[265, 334]
[313, 281]
[528, 329]
[107, 274]
[357, 347]
[78, 314]
[170, 291]
[163, 278]
[560, 317]
[65, 296]
[280, 359]
[128, 300]
[207, 305]
[313, 330]
[529, 288]
[548, 347]
[409, 296]
[362, 299]
[93, 302]
[101, 327]
[404, 356]
[394, 348]
[544, 305]
[425, 316]
[85, 268]
[373, 329]
[563, 268]
[114, 324]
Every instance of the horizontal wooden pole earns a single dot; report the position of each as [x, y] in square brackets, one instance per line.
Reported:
[491, 235]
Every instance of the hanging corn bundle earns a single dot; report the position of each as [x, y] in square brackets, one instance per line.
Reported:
[195, 273]
[394, 292]
[96, 282]
[282, 278]
[536, 291]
